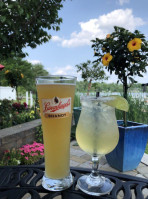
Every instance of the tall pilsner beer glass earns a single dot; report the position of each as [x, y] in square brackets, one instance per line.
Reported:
[56, 96]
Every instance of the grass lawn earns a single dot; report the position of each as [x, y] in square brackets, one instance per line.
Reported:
[146, 150]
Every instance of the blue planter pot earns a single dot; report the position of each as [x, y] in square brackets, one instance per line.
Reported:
[131, 146]
[77, 111]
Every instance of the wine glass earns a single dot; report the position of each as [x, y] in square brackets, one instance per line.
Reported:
[97, 134]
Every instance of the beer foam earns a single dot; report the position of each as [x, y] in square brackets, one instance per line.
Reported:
[56, 80]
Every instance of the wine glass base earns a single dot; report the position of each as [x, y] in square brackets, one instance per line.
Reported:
[95, 186]
[57, 184]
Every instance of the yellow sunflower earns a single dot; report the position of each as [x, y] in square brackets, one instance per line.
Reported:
[106, 59]
[134, 44]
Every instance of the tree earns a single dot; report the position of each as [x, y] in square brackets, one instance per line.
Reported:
[16, 73]
[19, 72]
[26, 23]
[81, 86]
[38, 70]
[91, 71]
[124, 53]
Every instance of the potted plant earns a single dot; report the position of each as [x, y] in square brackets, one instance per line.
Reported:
[125, 53]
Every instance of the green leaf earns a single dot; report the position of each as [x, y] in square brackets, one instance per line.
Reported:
[2, 19]
[26, 23]
[1, 3]
[21, 11]
[132, 80]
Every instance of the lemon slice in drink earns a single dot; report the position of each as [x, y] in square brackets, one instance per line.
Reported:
[116, 101]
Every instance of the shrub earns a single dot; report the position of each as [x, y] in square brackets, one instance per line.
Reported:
[15, 113]
[138, 111]
[39, 134]
[77, 100]
[5, 113]
[19, 107]
[26, 155]
[12, 157]
[32, 153]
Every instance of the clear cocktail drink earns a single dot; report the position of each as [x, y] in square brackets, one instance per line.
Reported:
[56, 103]
[97, 134]
[97, 131]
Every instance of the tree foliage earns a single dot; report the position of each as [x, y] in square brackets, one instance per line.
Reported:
[82, 86]
[17, 68]
[124, 63]
[38, 70]
[26, 23]
[91, 71]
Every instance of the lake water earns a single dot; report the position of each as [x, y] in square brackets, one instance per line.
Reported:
[140, 95]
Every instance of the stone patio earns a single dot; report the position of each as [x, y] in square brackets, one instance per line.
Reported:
[79, 158]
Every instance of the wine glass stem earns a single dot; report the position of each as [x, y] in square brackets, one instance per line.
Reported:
[95, 163]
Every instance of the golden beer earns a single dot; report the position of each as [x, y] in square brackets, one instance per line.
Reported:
[56, 105]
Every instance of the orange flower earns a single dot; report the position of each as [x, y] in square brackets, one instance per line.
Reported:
[7, 71]
[134, 44]
[106, 59]
[107, 36]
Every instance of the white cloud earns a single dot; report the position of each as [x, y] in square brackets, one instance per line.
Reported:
[34, 61]
[56, 38]
[67, 70]
[123, 1]
[72, 70]
[100, 27]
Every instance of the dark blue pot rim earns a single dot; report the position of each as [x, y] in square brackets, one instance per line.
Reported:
[135, 125]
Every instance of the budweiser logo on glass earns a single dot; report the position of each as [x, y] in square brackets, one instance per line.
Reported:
[56, 96]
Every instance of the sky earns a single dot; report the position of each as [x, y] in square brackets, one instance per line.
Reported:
[84, 20]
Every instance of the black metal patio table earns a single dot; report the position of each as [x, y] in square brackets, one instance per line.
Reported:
[17, 182]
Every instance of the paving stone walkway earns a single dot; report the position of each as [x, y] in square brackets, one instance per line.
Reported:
[79, 158]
